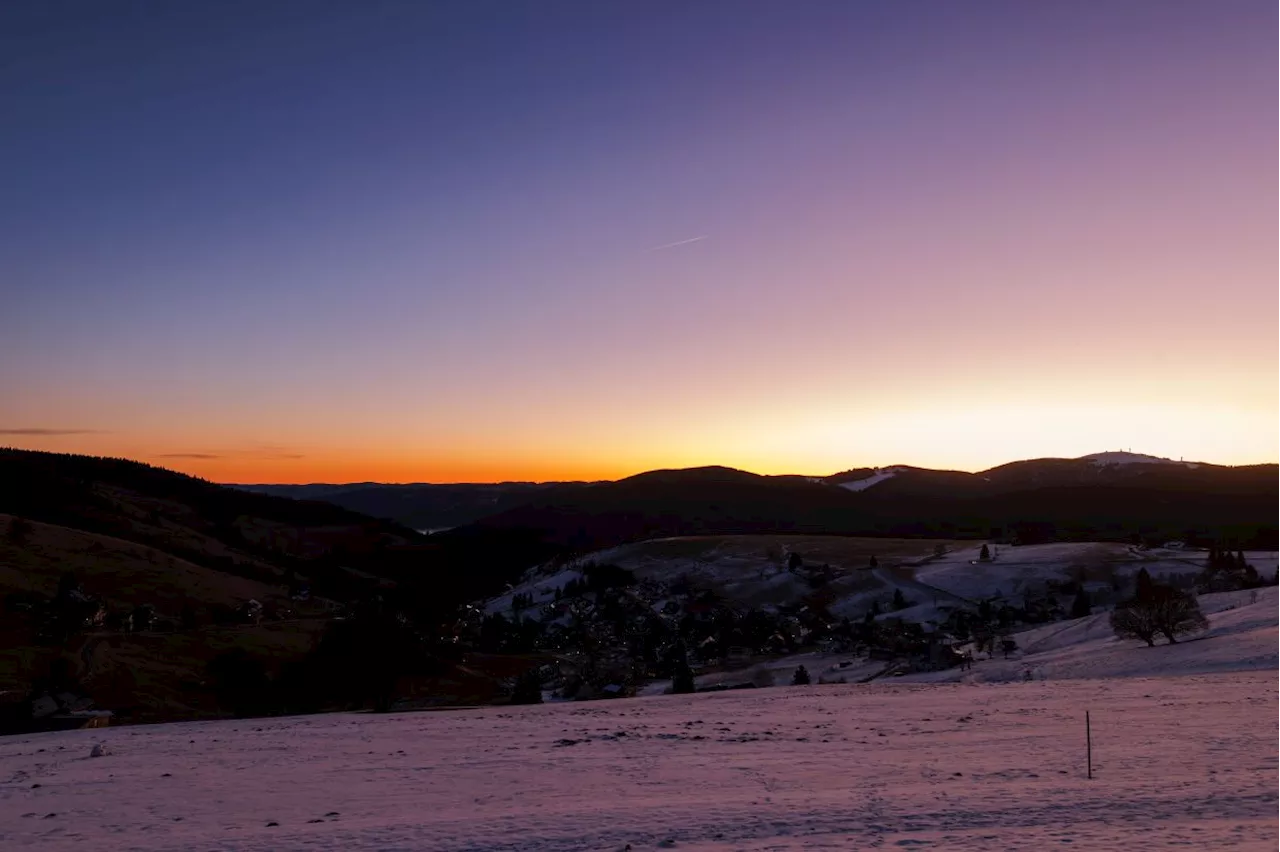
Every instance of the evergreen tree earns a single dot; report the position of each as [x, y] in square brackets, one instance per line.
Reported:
[899, 600]
[528, 688]
[1145, 586]
[874, 563]
[68, 585]
[875, 608]
[1082, 605]
[240, 682]
[801, 677]
[19, 530]
[985, 553]
[984, 610]
[681, 673]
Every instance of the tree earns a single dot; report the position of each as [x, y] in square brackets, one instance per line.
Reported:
[985, 553]
[20, 530]
[363, 657]
[1166, 611]
[1178, 614]
[1133, 620]
[240, 682]
[801, 677]
[528, 688]
[681, 673]
[68, 585]
[1082, 605]
[875, 608]
[1008, 646]
[794, 561]
[874, 563]
[1144, 586]
[899, 600]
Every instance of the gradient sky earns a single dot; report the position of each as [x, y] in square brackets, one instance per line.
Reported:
[420, 241]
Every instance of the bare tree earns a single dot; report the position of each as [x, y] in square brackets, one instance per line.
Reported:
[1133, 620]
[1178, 614]
[1164, 611]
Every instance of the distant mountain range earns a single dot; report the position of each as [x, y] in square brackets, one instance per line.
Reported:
[1105, 495]
[420, 506]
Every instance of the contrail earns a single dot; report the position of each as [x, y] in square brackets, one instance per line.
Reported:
[680, 243]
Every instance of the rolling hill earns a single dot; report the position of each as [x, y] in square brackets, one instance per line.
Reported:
[1113, 496]
[195, 553]
[1043, 500]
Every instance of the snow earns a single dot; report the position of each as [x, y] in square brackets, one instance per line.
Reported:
[875, 479]
[1013, 570]
[542, 589]
[983, 758]
[1179, 762]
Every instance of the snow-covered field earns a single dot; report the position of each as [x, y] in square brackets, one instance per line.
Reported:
[980, 759]
[1179, 762]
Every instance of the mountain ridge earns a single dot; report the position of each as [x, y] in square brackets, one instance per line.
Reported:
[883, 491]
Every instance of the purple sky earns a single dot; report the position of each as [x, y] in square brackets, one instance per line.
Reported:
[419, 241]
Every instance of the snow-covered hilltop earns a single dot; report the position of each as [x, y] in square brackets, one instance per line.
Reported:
[1125, 457]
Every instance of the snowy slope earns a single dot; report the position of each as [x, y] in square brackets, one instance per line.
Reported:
[875, 479]
[1186, 763]
[1242, 636]
[1015, 569]
[747, 570]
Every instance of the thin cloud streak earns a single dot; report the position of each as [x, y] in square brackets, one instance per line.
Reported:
[679, 243]
[47, 433]
[268, 453]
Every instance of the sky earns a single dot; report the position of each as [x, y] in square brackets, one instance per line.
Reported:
[475, 241]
